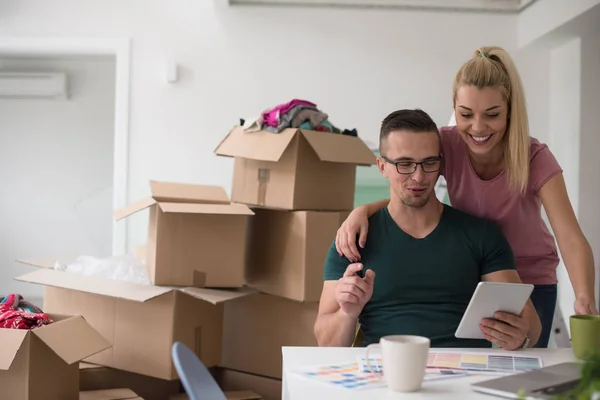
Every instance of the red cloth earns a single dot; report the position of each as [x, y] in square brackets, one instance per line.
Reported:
[12, 317]
[322, 128]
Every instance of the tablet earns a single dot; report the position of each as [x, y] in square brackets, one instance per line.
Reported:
[488, 298]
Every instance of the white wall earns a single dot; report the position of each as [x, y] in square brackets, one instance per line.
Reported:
[544, 16]
[565, 134]
[560, 72]
[589, 196]
[357, 65]
[56, 168]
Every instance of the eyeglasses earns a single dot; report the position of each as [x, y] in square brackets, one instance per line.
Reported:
[409, 167]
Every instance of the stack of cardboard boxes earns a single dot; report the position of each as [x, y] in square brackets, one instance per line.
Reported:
[233, 280]
[300, 185]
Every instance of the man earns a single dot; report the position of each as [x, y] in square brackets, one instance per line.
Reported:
[423, 259]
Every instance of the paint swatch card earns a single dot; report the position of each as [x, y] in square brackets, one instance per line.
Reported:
[346, 375]
[482, 362]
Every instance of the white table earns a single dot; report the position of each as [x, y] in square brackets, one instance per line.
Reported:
[298, 388]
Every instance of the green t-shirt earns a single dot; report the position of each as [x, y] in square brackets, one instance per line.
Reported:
[423, 286]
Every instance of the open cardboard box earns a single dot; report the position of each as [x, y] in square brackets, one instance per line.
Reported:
[111, 394]
[295, 169]
[97, 377]
[234, 395]
[287, 251]
[267, 388]
[43, 363]
[196, 237]
[255, 329]
[140, 321]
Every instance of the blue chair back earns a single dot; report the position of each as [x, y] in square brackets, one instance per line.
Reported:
[197, 381]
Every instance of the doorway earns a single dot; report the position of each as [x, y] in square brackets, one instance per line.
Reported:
[63, 162]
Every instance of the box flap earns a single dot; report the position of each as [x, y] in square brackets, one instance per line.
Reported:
[230, 395]
[109, 394]
[48, 262]
[72, 339]
[188, 208]
[340, 148]
[133, 208]
[242, 395]
[94, 285]
[188, 193]
[12, 340]
[216, 296]
[261, 145]
[87, 365]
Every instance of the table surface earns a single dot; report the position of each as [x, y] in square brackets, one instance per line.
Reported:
[298, 388]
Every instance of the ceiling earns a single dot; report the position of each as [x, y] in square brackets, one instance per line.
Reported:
[482, 6]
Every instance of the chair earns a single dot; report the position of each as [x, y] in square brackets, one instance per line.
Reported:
[195, 377]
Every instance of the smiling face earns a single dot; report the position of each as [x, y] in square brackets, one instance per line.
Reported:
[481, 117]
[403, 147]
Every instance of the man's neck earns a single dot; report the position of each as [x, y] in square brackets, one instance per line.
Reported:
[417, 222]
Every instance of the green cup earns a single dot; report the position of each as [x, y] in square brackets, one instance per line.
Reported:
[585, 336]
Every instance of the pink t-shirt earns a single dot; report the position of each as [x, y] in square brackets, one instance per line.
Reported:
[518, 215]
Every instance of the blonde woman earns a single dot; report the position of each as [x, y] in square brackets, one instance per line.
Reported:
[495, 170]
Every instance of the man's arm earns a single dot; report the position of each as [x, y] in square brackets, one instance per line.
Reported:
[333, 327]
[508, 328]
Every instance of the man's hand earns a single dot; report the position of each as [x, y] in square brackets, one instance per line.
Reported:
[506, 330]
[353, 292]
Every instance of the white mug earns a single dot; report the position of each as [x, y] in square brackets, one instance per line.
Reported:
[404, 361]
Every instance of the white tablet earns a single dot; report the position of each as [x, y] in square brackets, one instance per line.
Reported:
[488, 298]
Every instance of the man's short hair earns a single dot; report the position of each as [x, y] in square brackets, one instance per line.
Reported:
[406, 120]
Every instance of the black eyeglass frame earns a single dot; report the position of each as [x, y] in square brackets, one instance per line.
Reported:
[415, 164]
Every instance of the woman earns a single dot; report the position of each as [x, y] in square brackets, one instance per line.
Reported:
[494, 170]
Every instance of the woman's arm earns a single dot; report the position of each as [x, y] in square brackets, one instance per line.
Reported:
[574, 247]
[357, 223]
[372, 208]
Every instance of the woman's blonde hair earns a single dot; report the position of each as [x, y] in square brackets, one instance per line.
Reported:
[493, 67]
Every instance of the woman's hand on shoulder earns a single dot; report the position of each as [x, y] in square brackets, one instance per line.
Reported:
[357, 223]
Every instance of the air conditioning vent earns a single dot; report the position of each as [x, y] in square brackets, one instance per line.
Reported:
[489, 6]
[31, 85]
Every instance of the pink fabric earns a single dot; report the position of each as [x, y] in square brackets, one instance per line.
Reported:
[271, 117]
[519, 216]
[16, 313]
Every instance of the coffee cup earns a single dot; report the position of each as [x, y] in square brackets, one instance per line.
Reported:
[404, 360]
[585, 336]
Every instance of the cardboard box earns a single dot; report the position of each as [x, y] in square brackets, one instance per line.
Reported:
[97, 377]
[140, 321]
[42, 363]
[295, 169]
[287, 250]
[267, 388]
[256, 327]
[113, 394]
[235, 395]
[196, 237]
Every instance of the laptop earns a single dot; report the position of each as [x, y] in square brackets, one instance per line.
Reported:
[540, 384]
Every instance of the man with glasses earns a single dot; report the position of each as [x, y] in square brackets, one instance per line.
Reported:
[423, 259]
